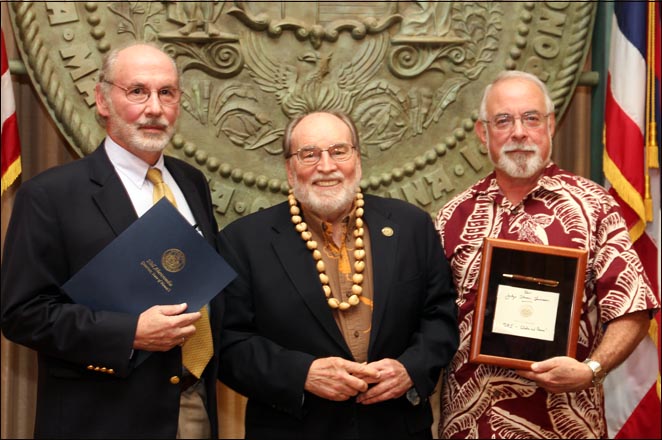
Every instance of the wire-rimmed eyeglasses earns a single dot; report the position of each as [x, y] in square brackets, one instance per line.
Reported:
[311, 155]
[140, 94]
[506, 122]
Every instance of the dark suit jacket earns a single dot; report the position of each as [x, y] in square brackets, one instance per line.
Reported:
[61, 219]
[277, 322]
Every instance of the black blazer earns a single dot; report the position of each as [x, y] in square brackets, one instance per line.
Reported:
[277, 322]
[61, 219]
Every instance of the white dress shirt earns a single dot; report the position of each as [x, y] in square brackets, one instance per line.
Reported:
[133, 173]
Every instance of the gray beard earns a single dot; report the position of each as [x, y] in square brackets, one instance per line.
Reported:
[151, 143]
[330, 206]
[521, 165]
[136, 139]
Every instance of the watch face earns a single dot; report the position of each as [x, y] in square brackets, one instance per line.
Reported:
[598, 372]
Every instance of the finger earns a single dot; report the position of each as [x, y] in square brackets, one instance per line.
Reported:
[187, 331]
[338, 397]
[369, 379]
[363, 371]
[373, 395]
[351, 385]
[185, 321]
[173, 309]
[547, 364]
[539, 367]
[335, 391]
[526, 374]
[349, 391]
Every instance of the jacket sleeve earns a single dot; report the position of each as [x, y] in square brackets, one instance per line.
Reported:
[35, 311]
[251, 363]
[434, 343]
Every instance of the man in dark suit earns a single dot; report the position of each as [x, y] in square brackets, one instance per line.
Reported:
[343, 313]
[89, 385]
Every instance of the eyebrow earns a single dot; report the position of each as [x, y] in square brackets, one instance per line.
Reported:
[523, 113]
[335, 144]
[143, 85]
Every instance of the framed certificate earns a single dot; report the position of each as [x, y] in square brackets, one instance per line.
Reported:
[528, 303]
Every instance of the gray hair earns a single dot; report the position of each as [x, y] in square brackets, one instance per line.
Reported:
[510, 74]
[287, 136]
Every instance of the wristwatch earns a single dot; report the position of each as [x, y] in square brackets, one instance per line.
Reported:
[413, 397]
[598, 372]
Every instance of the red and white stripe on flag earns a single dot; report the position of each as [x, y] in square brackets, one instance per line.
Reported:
[10, 148]
[632, 391]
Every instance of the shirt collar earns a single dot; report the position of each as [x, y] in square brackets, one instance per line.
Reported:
[488, 186]
[323, 228]
[130, 165]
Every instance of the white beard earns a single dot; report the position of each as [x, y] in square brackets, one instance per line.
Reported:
[331, 204]
[137, 139]
[520, 165]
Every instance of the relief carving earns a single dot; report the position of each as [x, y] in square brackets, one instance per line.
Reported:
[409, 72]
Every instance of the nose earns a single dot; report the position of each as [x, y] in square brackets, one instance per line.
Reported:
[518, 131]
[153, 106]
[326, 163]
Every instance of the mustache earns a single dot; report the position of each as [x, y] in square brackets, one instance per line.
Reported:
[153, 122]
[335, 175]
[517, 146]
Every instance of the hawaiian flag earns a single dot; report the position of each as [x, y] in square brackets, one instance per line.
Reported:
[631, 166]
[10, 147]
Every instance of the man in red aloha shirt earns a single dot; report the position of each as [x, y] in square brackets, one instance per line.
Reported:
[528, 198]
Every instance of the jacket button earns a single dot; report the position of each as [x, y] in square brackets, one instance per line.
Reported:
[174, 380]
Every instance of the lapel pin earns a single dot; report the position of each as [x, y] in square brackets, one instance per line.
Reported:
[388, 232]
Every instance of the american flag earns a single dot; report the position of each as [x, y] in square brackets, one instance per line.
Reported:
[10, 147]
[631, 166]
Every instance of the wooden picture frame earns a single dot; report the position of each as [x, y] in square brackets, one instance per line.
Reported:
[528, 303]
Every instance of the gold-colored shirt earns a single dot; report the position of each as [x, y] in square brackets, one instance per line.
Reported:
[355, 322]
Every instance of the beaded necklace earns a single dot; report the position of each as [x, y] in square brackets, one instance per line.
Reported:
[359, 253]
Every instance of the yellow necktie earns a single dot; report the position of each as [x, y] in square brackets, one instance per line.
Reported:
[197, 351]
[160, 188]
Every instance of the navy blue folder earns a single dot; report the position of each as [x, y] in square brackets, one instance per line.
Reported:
[159, 259]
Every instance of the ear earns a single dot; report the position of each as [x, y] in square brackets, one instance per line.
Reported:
[102, 105]
[290, 173]
[481, 131]
[552, 124]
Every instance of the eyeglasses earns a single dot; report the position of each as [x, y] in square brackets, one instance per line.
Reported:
[140, 94]
[312, 155]
[506, 122]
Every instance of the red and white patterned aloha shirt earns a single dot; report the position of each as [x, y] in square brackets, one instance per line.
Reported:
[485, 401]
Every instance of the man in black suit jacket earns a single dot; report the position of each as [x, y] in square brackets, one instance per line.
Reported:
[343, 313]
[89, 385]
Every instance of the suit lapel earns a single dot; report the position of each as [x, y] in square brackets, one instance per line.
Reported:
[298, 263]
[115, 204]
[111, 198]
[383, 246]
